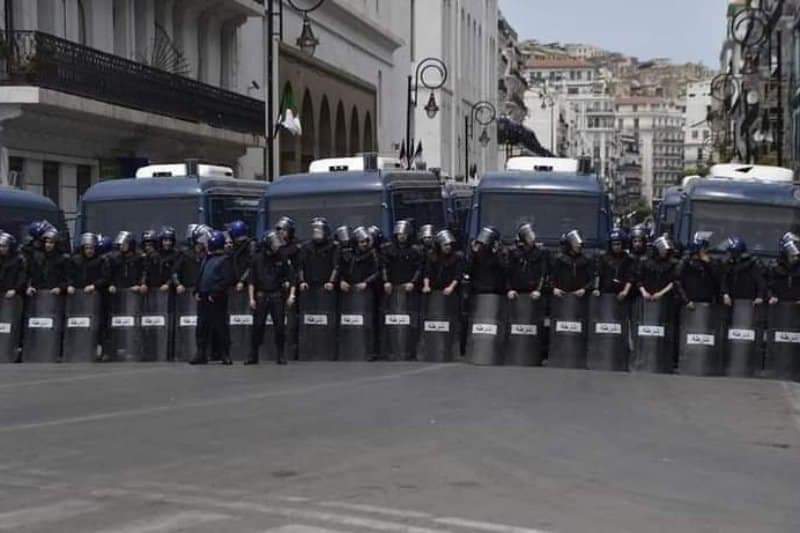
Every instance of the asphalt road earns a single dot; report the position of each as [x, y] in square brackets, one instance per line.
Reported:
[314, 448]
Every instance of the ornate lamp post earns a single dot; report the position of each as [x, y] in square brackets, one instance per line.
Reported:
[428, 66]
[484, 113]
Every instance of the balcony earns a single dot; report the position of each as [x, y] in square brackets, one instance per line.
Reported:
[37, 59]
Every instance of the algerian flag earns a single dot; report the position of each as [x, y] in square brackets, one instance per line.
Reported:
[289, 118]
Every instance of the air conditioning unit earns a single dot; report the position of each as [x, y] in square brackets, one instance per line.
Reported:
[741, 172]
[182, 170]
[543, 164]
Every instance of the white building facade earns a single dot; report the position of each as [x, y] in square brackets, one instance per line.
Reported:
[93, 88]
[697, 146]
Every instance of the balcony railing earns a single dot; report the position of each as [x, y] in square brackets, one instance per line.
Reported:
[44, 60]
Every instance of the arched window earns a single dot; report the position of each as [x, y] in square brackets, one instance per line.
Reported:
[307, 141]
[340, 135]
[325, 139]
[355, 133]
[368, 143]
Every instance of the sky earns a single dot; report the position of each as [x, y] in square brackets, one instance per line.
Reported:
[683, 30]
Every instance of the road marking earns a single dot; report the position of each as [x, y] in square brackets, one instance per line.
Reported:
[486, 526]
[15, 520]
[374, 509]
[792, 391]
[221, 401]
[291, 499]
[80, 377]
[296, 514]
[164, 524]
[299, 529]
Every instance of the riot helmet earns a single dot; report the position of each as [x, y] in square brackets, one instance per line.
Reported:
[426, 236]
[88, 243]
[617, 239]
[736, 247]
[50, 238]
[238, 230]
[343, 235]
[663, 246]
[363, 238]
[104, 244]
[125, 242]
[791, 250]
[7, 243]
[149, 239]
[487, 236]
[216, 241]
[320, 230]
[701, 242]
[403, 231]
[287, 226]
[526, 234]
[272, 241]
[574, 242]
[376, 234]
[445, 241]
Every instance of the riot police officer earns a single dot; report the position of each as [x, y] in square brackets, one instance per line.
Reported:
[402, 260]
[698, 274]
[527, 265]
[572, 272]
[160, 260]
[286, 228]
[657, 273]
[215, 277]
[359, 268]
[87, 270]
[126, 265]
[34, 241]
[242, 250]
[426, 237]
[742, 275]
[485, 267]
[638, 242]
[149, 241]
[343, 238]
[269, 273]
[377, 237]
[105, 245]
[190, 259]
[318, 259]
[784, 276]
[48, 269]
[615, 268]
[12, 267]
[444, 267]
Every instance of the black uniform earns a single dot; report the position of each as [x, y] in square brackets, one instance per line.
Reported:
[215, 277]
[743, 279]
[571, 273]
[486, 271]
[784, 281]
[48, 270]
[614, 272]
[402, 263]
[187, 267]
[269, 273]
[698, 281]
[317, 263]
[357, 267]
[84, 271]
[159, 267]
[242, 256]
[655, 273]
[526, 269]
[13, 274]
[127, 269]
[441, 270]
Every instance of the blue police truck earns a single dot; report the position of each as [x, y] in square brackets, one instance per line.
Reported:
[551, 194]
[756, 203]
[18, 208]
[176, 195]
[668, 211]
[355, 191]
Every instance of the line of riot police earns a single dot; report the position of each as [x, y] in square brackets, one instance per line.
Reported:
[638, 306]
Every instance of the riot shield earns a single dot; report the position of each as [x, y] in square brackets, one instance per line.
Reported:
[439, 335]
[356, 330]
[744, 340]
[652, 337]
[567, 333]
[400, 325]
[156, 322]
[700, 353]
[126, 335]
[608, 334]
[82, 321]
[486, 330]
[240, 319]
[524, 346]
[292, 332]
[10, 328]
[43, 328]
[185, 327]
[783, 341]
[317, 325]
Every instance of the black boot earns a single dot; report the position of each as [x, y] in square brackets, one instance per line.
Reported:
[225, 359]
[252, 359]
[281, 359]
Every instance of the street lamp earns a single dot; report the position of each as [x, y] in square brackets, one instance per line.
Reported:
[307, 42]
[484, 113]
[548, 101]
[429, 65]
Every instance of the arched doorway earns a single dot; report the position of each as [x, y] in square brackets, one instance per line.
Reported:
[340, 135]
[325, 140]
[309, 135]
[368, 146]
[355, 133]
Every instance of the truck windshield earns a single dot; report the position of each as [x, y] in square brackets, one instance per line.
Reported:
[425, 206]
[358, 209]
[761, 226]
[225, 209]
[551, 215]
[139, 215]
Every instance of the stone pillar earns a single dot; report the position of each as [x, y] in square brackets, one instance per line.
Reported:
[144, 23]
[211, 49]
[100, 24]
